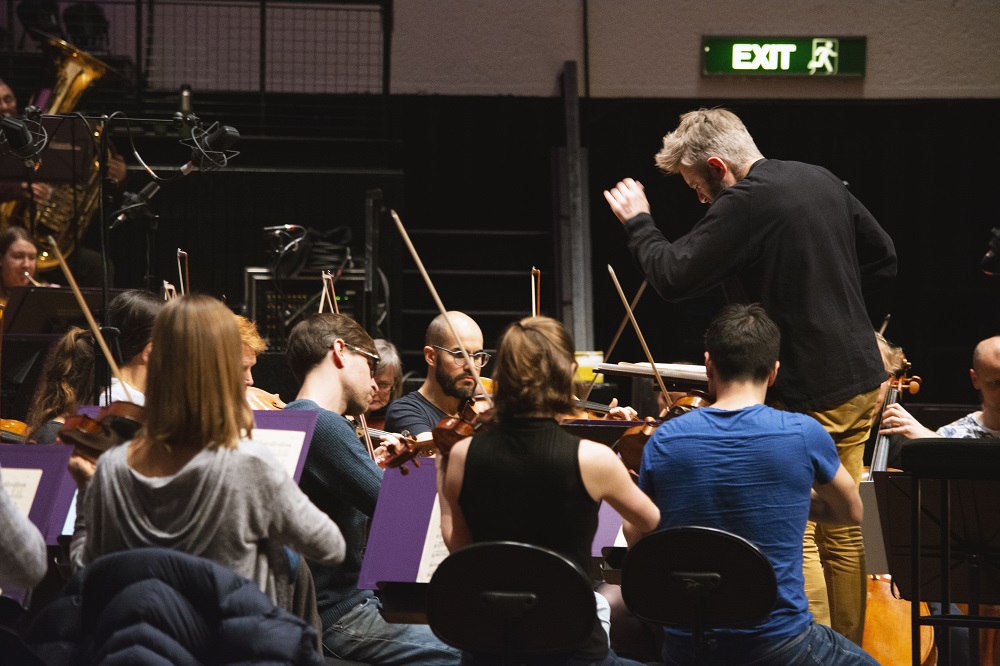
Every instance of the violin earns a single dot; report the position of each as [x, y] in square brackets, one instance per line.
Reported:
[262, 400]
[452, 429]
[408, 450]
[632, 442]
[12, 430]
[115, 423]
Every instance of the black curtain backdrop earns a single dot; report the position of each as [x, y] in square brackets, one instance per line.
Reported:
[923, 168]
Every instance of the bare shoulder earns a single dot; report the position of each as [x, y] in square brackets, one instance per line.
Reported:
[596, 454]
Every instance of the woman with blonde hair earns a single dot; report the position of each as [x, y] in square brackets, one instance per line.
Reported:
[528, 480]
[192, 480]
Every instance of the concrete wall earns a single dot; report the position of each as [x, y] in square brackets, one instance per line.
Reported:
[651, 48]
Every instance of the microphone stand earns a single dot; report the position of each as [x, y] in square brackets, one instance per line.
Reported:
[102, 375]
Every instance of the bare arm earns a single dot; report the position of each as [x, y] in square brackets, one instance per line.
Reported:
[449, 480]
[837, 502]
[605, 478]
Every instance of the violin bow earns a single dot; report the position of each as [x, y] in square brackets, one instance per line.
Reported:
[328, 297]
[183, 277]
[94, 328]
[638, 332]
[437, 300]
[617, 337]
[885, 324]
[169, 291]
[536, 292]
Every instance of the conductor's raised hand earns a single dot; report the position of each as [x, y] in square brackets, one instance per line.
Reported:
[627, 199]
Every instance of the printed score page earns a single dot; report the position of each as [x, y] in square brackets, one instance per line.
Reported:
[434, 550]
[22, 486]
[284, 445]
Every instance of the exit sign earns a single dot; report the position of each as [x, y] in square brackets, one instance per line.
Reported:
[784, 56]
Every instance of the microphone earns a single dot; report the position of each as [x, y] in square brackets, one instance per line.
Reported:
[19, 140]
[210, 148]
[987, 260]
[136, 205]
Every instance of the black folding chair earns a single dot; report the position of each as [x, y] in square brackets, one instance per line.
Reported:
[502, 602]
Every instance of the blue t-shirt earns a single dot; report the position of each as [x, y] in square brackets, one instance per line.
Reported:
[749, 472]
[413, 413]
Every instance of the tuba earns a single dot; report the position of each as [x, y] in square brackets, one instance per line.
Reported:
[71, 206]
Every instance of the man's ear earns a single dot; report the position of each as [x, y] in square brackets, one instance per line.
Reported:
[974, 378]
[718, 166]
[774, 374]
[337, 353]
[429, 356]
[709, 366]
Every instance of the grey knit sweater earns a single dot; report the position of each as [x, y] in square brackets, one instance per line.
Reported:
[234, 506]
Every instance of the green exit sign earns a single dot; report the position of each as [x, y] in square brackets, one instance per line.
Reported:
[784, 56]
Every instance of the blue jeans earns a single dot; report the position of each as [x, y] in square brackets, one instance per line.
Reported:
[362, 635]
[818, 645]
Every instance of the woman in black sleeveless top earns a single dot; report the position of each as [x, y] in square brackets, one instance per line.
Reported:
[528, 480]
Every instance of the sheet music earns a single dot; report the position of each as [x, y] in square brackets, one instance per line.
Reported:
[21, 485]
[434, 549]
[284, 445]
[620, 539]
[70, 523]
[672, 371]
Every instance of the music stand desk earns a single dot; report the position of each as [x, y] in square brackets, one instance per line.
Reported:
[953, 484]
[46, 313]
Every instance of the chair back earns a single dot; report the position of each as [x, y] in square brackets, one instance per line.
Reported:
[698, 578]
[514, 599]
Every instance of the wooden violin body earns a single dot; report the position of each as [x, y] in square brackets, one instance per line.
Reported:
[262, 400]
[116, 423]
[632, 442]
[12, 430]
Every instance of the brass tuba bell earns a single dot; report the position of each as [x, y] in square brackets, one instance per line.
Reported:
[71, 206]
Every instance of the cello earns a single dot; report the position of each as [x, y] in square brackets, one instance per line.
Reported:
[885, 612]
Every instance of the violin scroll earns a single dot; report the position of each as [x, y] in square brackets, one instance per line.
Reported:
[407, 450]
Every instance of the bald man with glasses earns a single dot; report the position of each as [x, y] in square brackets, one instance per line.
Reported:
[449, 383]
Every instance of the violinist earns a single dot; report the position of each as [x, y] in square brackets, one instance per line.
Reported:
[449, 384]
[336, 362]
[66, 383]
[132, 313]
[746, 468]
[389, 377]
[253, 345]
[527, 479]
[192, 479]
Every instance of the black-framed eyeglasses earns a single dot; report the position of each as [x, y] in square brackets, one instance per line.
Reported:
[373, 359]
[479, 358]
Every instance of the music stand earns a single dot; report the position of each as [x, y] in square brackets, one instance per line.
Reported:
[953, 485]
[34, 318]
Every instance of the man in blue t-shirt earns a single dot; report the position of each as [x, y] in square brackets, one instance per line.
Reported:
[743, 467]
